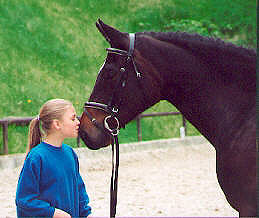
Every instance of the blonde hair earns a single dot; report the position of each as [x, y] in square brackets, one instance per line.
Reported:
[51, 110]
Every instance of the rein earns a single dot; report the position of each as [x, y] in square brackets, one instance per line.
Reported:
[112, 110]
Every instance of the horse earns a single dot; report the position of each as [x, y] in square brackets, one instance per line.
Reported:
[210, 81]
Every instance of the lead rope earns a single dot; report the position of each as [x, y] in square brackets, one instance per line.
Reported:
[115, 165]
[114, 177]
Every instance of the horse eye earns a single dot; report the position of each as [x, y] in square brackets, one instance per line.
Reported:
[110, 69]
[109, 73]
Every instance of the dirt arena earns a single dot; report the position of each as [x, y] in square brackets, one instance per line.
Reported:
[158, 178]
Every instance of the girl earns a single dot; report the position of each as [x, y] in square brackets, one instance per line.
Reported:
[50, 184]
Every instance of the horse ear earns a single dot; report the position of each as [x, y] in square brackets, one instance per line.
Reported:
[99, 25]
[116, 38]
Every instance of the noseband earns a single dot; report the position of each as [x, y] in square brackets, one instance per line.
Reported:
[112, 112]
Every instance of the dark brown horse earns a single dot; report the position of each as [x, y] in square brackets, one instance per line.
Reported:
[212, 83]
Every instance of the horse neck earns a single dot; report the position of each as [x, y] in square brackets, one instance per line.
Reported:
[215, 112]
[216, 102]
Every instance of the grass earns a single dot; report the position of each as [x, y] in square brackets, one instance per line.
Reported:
[52, 49]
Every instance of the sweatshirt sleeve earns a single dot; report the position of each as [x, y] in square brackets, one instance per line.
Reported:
[84, 208]
[27, 193]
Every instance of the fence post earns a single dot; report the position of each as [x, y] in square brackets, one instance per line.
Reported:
[139, 128]
[78, 141]
[5, 137]
[184, 125]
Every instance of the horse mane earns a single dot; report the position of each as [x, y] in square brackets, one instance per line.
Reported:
[236, 62]
[201, 44]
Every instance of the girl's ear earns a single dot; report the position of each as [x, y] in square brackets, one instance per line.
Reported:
[56, 124]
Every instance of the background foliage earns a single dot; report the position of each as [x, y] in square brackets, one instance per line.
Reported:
[52, 49]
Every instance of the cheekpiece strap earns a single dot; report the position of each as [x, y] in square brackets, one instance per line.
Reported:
[132, 43]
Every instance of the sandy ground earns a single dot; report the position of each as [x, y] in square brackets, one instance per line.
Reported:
[174, 181]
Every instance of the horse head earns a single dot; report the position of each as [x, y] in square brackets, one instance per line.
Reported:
[122, 90]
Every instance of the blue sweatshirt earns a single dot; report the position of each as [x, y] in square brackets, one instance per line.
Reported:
[50, 179]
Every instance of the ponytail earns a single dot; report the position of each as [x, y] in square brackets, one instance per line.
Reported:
[34, 136]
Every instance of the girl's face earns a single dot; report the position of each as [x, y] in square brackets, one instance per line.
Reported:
[69, 123]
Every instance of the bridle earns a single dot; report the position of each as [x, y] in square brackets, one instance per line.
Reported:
[112, 112]
[110, 107]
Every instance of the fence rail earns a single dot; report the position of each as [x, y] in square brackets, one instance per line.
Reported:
[22, 121]
[140, 116]
[5, 122]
